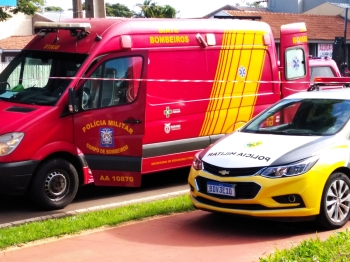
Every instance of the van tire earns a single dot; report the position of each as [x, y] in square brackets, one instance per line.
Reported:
[337, 193]
[54, 185]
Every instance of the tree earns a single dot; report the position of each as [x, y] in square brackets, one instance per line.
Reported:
[28, 7]
[152, 9]
[118, 10]
[53, 8]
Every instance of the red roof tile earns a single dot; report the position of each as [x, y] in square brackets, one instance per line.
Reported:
[319, 27]
[15, 42]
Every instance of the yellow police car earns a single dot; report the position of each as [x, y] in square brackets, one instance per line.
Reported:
[290, 161]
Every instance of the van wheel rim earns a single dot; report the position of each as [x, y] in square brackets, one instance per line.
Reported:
[56, 185]
[338, 201]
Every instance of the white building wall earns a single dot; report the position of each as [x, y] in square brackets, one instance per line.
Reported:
[19, 25]
[298, 6]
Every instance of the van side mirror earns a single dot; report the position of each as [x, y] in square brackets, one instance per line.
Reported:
[72, 101]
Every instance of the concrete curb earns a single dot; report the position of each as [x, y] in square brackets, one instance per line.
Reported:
[95, 208]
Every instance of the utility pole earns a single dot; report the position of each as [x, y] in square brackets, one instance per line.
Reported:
[95, 8]
[77, 9]
[345, 29]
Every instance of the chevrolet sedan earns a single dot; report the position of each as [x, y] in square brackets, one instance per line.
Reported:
[289, 162]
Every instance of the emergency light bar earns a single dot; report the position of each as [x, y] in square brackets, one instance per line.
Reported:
[76, 29]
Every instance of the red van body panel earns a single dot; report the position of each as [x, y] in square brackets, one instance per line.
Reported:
[147, 93]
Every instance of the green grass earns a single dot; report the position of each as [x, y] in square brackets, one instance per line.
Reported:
[17, 235]
[335, 249]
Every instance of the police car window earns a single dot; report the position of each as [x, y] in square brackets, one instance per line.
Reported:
[324, 71]
[115, 82]
[311, 117]
[295, 63]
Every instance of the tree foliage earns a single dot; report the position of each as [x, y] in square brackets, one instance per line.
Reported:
[53, 8]
[118, 10]
[28, 7]
[151, 9]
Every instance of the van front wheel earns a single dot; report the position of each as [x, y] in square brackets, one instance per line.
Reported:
[54, 184]
[335, 203]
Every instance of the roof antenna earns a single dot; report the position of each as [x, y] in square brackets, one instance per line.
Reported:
[56, 39]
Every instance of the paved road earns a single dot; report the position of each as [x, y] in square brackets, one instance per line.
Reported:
[18, 208]
[194, 236]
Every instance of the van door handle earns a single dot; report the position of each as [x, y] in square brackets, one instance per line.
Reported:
[132, 121]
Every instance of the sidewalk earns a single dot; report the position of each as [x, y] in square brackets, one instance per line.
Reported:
[194, 236]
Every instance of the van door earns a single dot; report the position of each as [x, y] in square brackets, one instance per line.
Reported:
[294, 55]
[109, 126]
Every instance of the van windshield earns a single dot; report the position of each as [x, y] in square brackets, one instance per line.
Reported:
[38, 77]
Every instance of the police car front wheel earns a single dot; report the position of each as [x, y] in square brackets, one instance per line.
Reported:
[335, 203]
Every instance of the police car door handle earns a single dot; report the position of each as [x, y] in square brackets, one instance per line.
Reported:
[132, 121]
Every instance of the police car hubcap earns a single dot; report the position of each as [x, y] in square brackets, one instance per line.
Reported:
[338, 201]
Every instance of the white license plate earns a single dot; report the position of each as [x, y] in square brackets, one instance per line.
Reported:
[221, 189]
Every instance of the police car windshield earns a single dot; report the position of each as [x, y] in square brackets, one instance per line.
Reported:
[304, 117]
[38, 77]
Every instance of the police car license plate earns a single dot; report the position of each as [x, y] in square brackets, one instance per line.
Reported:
[221, 189]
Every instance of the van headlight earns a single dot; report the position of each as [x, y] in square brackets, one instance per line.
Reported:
[9, 142]
[295, 169]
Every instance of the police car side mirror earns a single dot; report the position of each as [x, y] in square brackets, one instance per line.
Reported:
[72, 101]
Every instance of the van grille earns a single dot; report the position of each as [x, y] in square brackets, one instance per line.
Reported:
[233, 172]
[244, 190]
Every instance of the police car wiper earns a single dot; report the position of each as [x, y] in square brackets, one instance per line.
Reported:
[265, 131]
[296, 132]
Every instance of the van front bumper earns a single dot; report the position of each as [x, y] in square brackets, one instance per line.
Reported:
[15, 177]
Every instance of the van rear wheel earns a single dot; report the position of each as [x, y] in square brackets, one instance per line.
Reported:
[335, 203]
[54, 185]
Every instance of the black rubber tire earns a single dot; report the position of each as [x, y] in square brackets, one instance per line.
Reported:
[336, 183]
[54, 185]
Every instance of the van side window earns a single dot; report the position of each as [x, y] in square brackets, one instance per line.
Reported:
[114, 82]
[295, 66]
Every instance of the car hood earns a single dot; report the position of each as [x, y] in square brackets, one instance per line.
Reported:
[240, 150]
[13, 116]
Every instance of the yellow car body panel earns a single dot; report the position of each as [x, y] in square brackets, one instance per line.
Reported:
[309, 186]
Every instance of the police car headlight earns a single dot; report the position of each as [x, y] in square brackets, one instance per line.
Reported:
[197, 163]
[294, 169]
[9, 142]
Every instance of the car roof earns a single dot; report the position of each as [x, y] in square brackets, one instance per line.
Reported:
[341, 93]
[320, 61]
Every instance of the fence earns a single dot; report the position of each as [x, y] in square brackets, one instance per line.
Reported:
[33, 75]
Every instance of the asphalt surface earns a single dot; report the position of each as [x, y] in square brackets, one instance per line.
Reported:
[93, 208]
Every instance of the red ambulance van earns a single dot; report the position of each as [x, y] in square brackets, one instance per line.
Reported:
[106, 101]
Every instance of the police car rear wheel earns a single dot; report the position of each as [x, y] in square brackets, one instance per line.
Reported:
[335, 204]
[54, 184]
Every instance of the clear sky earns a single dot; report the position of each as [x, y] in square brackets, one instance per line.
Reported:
[187, 8]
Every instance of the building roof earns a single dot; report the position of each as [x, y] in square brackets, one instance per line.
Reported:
[328, 9]
[319, 27]
[226, 7]
[15, 42]
[342, 5]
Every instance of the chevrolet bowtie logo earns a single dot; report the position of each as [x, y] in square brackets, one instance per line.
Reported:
[224, 172]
